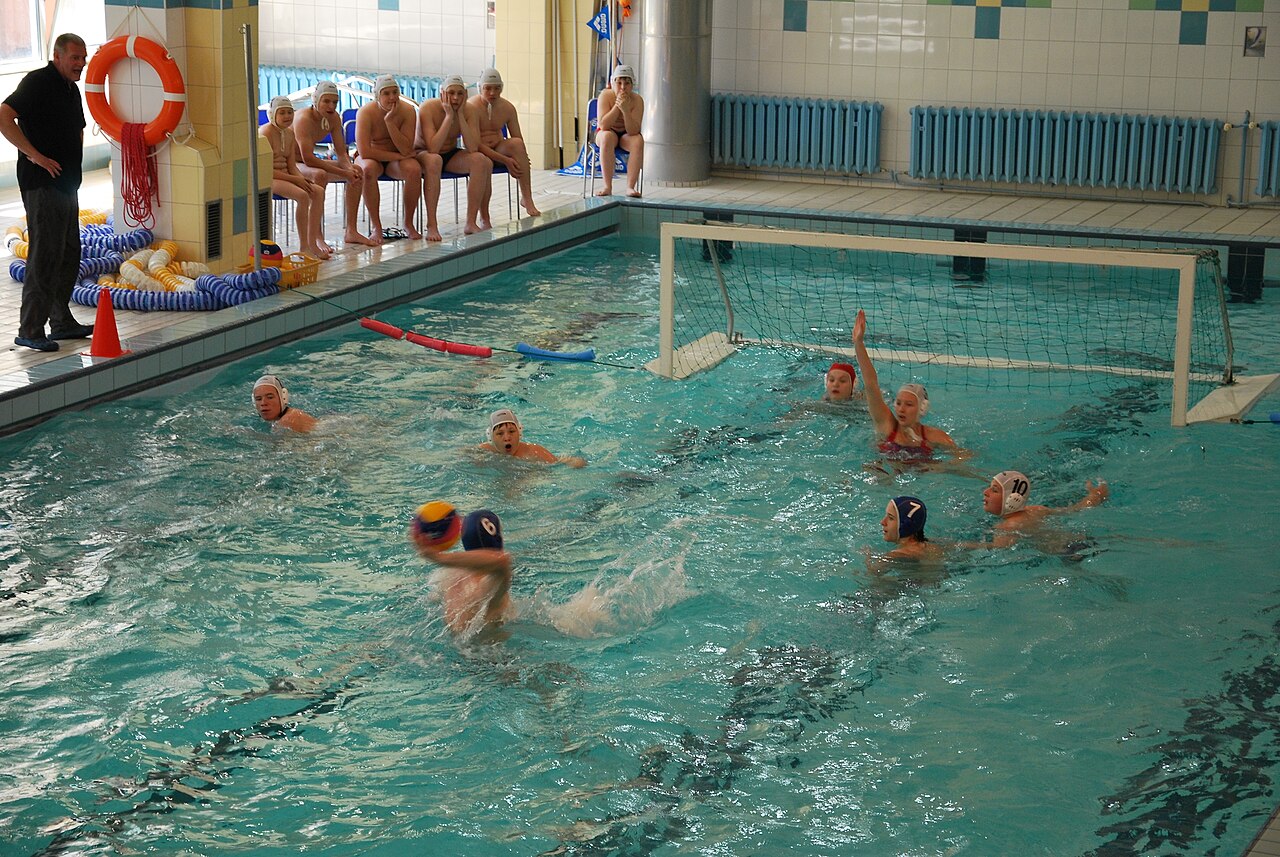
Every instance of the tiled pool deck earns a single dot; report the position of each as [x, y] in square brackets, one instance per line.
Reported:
[169, 345]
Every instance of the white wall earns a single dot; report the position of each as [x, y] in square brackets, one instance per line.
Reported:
[1085, 55]
[422, 37]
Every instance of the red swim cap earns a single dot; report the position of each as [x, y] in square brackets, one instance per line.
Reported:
[845, 367]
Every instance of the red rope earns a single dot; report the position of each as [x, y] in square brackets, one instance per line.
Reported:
[139, 184]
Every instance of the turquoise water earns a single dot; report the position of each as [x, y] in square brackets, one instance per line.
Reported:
[216, 639]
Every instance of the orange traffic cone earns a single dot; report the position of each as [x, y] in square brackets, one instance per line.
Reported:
[106, 341]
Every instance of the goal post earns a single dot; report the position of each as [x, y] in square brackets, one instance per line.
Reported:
[1030, 310]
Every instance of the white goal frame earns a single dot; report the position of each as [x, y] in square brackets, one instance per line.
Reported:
[1227, 403]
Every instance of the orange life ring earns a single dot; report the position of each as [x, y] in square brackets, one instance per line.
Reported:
[154, 55]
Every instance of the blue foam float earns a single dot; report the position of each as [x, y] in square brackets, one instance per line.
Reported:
[533, 351]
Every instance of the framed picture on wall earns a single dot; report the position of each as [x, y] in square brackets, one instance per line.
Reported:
[1255, 41]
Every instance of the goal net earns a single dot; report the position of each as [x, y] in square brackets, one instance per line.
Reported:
[1026, 316]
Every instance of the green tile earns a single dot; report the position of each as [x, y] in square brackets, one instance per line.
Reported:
[1142, 5]
[240, 214]
[1249, 5]
[986, 23]
[1194, 28]
[795, 16]
[240, 176]
[1039, 4]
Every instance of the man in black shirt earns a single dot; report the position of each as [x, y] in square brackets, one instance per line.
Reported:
[44, 120]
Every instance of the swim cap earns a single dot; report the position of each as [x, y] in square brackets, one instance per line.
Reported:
[844, 367]
[1014, 488]
[276, 103]
[624, 71]
[911, 515]
[490, 77]
[451, 81]
[918, 391]
[324, 87]
[384, 80]
[502, 417]
[271, 381]
[481, 529]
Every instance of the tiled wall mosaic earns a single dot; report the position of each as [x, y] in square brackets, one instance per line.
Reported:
[1193, 19]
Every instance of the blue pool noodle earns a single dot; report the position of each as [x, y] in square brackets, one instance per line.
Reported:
[532, 351]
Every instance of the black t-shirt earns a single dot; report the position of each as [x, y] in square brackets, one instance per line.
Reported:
[51, 115]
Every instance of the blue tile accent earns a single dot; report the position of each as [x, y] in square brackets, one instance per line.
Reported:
[1194, 29]
[1168, 5]
[986, 22]
[239, 215]
[388, 5]
[1013, 4]
[795, 16]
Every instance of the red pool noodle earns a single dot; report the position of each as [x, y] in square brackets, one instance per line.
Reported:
[449, 347]
[382, 327]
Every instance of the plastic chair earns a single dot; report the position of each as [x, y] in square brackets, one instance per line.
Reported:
[591, 154]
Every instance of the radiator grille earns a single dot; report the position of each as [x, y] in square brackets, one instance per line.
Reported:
[1165, 153]
[795, 133]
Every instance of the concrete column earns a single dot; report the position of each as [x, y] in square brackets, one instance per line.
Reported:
[675, 80]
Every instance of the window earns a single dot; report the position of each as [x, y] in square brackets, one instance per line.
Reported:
[18, 34]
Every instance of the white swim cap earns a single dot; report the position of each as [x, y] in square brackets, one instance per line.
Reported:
[274, 382]
[922, 397]
[490, 77]
[1014, 488]
[624, 71]
[452, 80]
[384, 81]
[501, 417]
[276, 103]
[324, 87]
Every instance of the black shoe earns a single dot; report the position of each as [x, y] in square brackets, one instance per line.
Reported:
[40, 343]
[80, 331]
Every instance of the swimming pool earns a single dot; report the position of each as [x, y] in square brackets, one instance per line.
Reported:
[216, 639]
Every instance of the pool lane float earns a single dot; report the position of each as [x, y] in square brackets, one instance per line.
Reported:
[449, 347]
[533, 351]
[471, 350]
[151, 278]
[211, 292]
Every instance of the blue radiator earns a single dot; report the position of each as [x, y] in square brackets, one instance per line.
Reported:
[795, 133]
[1269, 160]
[1058, 148]
[276, 80]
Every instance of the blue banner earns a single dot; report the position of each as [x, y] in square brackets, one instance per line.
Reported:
[600, 23]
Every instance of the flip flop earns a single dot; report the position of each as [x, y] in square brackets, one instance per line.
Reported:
[391, 233]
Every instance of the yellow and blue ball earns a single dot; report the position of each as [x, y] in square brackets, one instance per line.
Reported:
[440, 523]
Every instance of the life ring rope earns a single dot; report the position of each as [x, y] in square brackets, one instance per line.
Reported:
[154, 55]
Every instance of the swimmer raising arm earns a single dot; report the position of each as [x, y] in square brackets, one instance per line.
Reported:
[899, 428]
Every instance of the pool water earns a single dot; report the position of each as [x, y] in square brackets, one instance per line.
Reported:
[216, 638]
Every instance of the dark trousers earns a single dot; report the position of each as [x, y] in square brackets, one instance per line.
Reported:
[53, 260]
